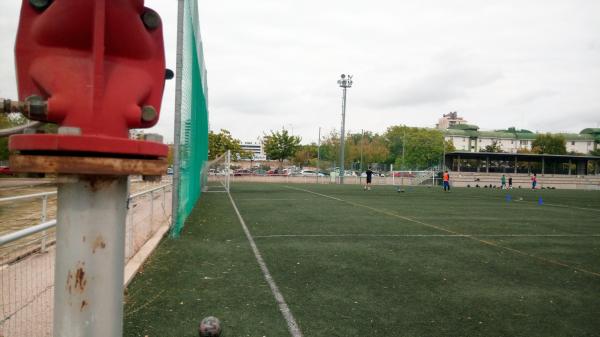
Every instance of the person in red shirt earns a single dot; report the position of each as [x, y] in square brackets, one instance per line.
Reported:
[446, 181]
[533, 181]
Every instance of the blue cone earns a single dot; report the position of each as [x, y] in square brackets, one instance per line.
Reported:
[540, 201]
[508, 198]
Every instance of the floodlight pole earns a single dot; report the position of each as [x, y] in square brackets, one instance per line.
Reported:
[344, 82]
[318, 154]
[362, 141]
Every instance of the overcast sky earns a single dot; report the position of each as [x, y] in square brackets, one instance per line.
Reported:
[532, 64]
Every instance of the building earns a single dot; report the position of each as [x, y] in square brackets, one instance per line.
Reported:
[468, 137]
[449, 120]
[256, 148]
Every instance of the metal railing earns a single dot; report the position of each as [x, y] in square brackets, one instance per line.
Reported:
[27, 258]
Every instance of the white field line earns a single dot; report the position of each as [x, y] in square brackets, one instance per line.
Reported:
[486, 242]
[272, 199]
[429, 235]
[283, 307]
[563, 206]
[515, 199]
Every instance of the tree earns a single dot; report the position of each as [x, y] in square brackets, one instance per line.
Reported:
[494, 147]
[219, 143]
[550, 144]
[280, 145]
[305, 155]
[372, 147]
[415, 148]
[8, 121]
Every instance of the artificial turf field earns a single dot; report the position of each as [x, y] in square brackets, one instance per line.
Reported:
[349, 262]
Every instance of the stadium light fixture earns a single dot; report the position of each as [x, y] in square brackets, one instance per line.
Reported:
[344, 82]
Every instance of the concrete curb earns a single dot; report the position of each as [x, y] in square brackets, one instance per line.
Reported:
[134, 264]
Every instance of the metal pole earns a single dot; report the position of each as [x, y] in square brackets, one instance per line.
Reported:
[151, 209]
[362, 141]
[44, 216]
[342, 134]
[318, 154]
[403, 149]
[90, 248]
[177, 131]
[443, 153]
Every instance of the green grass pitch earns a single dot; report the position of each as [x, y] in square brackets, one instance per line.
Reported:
[349, 262]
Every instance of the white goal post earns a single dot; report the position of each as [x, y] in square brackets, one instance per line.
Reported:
[216, 174]
[414, 178]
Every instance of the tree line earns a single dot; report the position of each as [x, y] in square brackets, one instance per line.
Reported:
[404, 147]
[409, 148]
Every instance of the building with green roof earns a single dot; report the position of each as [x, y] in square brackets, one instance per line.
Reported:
[468, 137]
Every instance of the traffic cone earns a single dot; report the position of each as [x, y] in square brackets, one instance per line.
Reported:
[508, 198]
[540, 201]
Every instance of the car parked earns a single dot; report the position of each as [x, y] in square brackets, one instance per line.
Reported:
[242, 172]
[404, 174]
[5, 170]
[310, 173]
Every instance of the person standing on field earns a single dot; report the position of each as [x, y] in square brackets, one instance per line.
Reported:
[510, 183]
[369, 177]
[503, 182]
[446, 178]
[533, 181]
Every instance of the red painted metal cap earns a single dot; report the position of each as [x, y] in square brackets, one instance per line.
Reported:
[100, 66]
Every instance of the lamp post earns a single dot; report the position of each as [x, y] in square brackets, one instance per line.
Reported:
[318, 155]
[344, 82]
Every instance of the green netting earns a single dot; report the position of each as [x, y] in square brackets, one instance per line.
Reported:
[191, 129]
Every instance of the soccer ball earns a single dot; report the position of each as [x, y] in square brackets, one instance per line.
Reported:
[210, 327]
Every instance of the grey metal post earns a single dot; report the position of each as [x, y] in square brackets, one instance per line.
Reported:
[342, 137]
[44, 216]
[487, 164]
[403, 166]
[177, 131]
[543, 164]
[318, 155]
[362, 141]
[90, 248]
[151, 208]
[345, 82]
[443, 153]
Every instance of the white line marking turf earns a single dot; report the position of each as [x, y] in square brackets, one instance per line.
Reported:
[283, 307]
[430, 235]
[486, 242]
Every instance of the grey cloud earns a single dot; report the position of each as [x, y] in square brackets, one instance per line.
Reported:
[532, 96]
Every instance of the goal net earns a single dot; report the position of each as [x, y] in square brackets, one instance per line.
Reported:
[414, 178]
[216, 174]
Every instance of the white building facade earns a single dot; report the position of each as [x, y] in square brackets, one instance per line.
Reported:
[467, 137]
[256, 148]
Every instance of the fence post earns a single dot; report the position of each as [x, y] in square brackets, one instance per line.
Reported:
[44, 216]
[151, 208]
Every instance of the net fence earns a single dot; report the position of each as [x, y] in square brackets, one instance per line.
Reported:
[191, 115]
[216, 174]
[415, 178]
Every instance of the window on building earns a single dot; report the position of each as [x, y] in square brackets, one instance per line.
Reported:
[523, 142]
